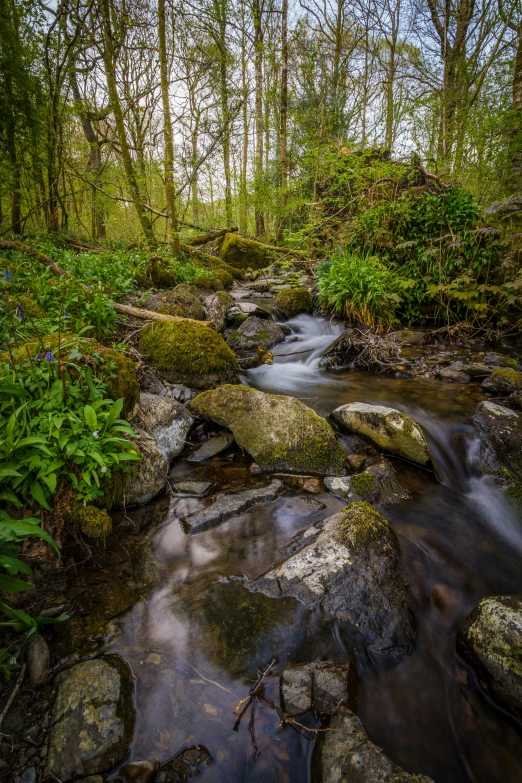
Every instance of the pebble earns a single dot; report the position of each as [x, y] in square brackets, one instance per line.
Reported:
[153, 658]
[210, 709]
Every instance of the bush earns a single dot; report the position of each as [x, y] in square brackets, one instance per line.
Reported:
[360, 287]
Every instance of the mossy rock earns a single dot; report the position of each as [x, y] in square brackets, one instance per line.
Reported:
[280, 433]
[94, 522]
[237, 274]
[225, 277]
[157, 273]
[294, 301]
[189, 353]
[503, 381]
[208, 283]
[243, 253]
[182, 301]
[116, 370]
[26, 307]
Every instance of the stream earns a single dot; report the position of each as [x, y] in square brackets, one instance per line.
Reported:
[195, 644]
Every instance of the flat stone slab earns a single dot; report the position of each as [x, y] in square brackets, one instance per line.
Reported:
[322, 687]
[211, 447]
[227, 505]
[195, 489]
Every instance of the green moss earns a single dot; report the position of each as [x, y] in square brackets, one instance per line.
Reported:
[508, 361]
[183, 302]
[510, 377]
[294, 301]
[157, 273]
[214, 283]
[28, 307]
[359, 523]
[186, 352]
[363, 485]
[243, 253]
[94, 522]
[225, 277]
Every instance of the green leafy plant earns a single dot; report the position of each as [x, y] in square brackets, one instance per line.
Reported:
[22, 622]
[12, 533]
[7, 663]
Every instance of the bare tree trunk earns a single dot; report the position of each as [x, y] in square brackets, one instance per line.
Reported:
[258, 66]
[243, 195]
[283, 120]
[110, 74]
[168, 139]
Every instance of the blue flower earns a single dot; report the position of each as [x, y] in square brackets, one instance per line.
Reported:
[39, 357]
[89, 286]
[87, 273]
[65, 313]
[8, 275]
[50, 357]
[19, 313]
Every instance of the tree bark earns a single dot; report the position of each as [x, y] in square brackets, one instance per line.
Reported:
[258, 67]
[283, 120]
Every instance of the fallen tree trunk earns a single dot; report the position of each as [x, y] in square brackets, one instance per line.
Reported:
[150, 315]
[209, 236]
[28, 251]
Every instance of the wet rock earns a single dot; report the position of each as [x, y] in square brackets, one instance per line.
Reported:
[195, 489]
[227, 505]
[348, 567]
[148, 476]
[280, 433]
[491, 639]
[348, 754]
[378, 484]
[454, 373]
[139, 771]
[501, 438]
[319, 686]
[211, 447]
[293, 301]
[408, 336]
[168, 421]
[38, 657]
[503, 381]
[92, 719]
[387, 428]
[361, 348]
[255, 332]
[355, 461]
[249, 308]
[184, 765]
[217, 305]
[255, 470]
[477, 370]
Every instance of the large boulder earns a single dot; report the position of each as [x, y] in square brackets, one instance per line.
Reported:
[188, 353]
[168, 421]
[182, 301]
[280, 433]
[255, 332]
[347, 754]
[218, 305]
[387, 428]
[92, 719]
[145, 479]
[348, 566]
[500, 430]
[491, 639]
[293, 301]
[503, 381]
[243, 253]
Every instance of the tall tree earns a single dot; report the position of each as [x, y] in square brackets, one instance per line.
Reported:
[283, 119]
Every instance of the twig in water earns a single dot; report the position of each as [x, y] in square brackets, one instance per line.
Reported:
[13, 694]
[211, 681]
[257, 752]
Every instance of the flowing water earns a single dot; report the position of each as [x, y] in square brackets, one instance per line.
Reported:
[196, 642]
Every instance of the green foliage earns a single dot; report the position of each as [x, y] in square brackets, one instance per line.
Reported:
[7, 663]
[361, 288]
[22, 622]
[12, 533]
[53, 428]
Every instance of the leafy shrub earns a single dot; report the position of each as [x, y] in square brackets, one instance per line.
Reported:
[12, 533]
[360, 287]
[52, 427]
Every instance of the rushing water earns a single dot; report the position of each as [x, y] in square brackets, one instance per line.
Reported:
[195, 644]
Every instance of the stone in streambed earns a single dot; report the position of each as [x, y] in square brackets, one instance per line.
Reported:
[377, 484]
[387, 428]
[280, 433]
[347, 754]
[139, 771]
[168, 421]
[196, 489]
[227, 505]
[254, 333]
[348, 566]
[211, 448]
[500, 431]
[38, 657]
[186, 764]
[181, 301]
[319, 686]
[92, 719]
[503, 381]
[218, 304]
[491, 639]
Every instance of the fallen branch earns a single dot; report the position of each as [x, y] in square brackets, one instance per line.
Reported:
[28, 251]
[150, 315]
[210, 236]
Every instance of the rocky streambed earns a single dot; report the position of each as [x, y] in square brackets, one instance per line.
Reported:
[328, 591]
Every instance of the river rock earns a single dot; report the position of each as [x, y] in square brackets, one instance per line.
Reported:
[139, 771]
[250, 308]
[148, 477]
[454, 373]
[186, 764]
[227, 505]
[377, 484]
[38, 657]
[217, 305]
[319, 686]
[491, 639]
[211, 448]
[501, 437]
[168, 421]
[348, 754]
[387, 428]
[195, 489]
[92, 719]
[503, 381]
[280, 433]
[182, 301]
[348, 566]
[255, 332]
[361, 348]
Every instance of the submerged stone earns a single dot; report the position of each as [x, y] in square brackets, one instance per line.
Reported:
[197, 489]
[377, 484]
[348, 566]
[280, 433]
[347, 754]
[321, 686]
[387, 428]
[212, 447]
[186, 764]
[227, 505]
[491, 639]
[92, 719]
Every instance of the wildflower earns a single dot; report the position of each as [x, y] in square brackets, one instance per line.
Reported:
[39, 357]
[50, 357]
[8, 275]
[104, 469]
[19, 313]
[89, 286]
[65, 313]
[87, 273]
[95, 433]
